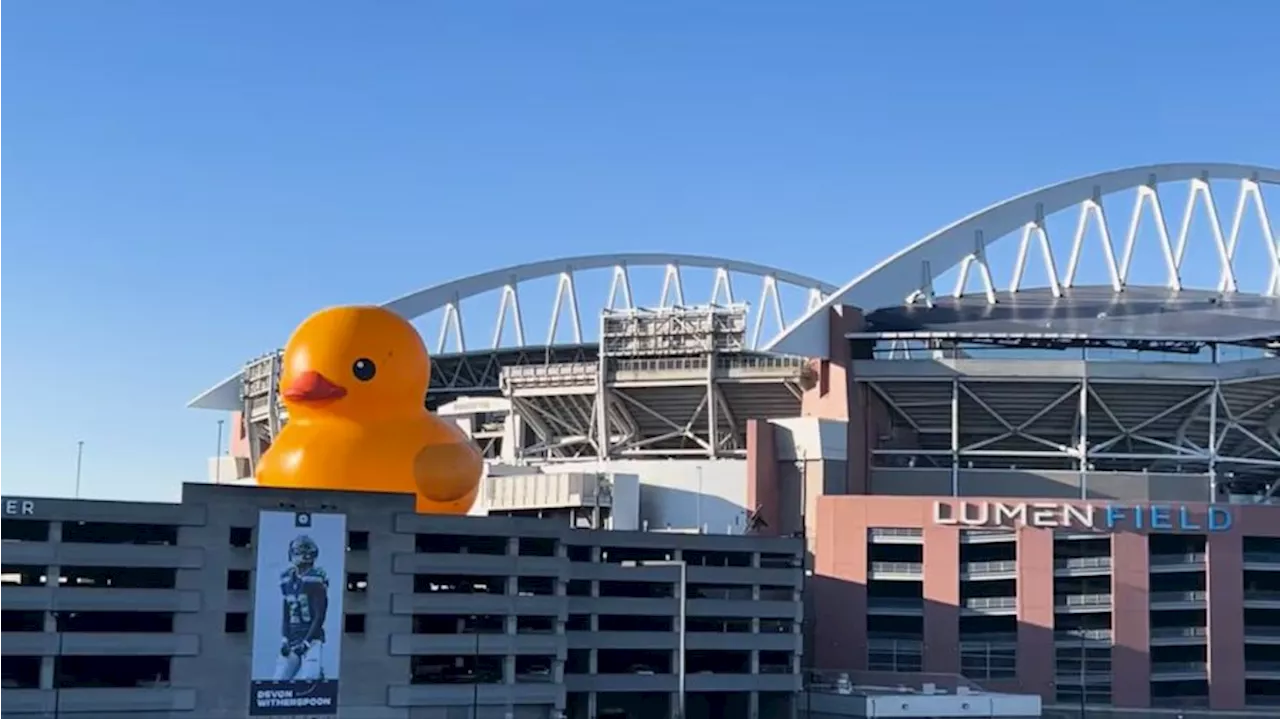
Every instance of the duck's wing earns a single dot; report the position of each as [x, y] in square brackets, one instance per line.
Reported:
[447, 472]
[458, 507]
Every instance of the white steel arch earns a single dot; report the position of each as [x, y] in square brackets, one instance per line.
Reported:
[450, 296]
[909, 275]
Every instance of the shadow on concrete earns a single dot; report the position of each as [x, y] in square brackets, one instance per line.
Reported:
[673, 508]
[837, 625]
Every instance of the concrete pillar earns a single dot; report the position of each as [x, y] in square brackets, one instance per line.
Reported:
[47, 664]
[941, 599]
[53, 580]
[1225, 641]
[1037, 660]
[763, 488]
[1130, 621]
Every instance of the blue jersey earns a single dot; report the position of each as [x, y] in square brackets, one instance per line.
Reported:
[306, 600]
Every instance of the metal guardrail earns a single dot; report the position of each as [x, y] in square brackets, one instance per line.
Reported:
[896, 532]
[1176, 632]
[1169, 560]
[1102, 562]
[1084, 600]
[978, 569]
[991, 602]
[1188, 596]
[1262, 557]
[1158, 668]
[906, 646]
[988, 535]
[1261, 595]
[1261, 666]
[1068, 676]
[913, 568]
[1082, 634]
[1075, 536]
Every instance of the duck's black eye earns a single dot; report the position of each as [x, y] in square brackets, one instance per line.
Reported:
[363, 369]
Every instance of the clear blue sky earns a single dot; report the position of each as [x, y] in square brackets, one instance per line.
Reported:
[184, 181]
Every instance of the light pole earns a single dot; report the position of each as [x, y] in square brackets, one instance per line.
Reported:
[683, 588]
[79, 464]
[698, 506]
[217, 457]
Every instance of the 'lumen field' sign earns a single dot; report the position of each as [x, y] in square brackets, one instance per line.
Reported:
[1087, 517]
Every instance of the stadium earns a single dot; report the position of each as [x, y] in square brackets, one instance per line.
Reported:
[1064, 486]
[1134, 374]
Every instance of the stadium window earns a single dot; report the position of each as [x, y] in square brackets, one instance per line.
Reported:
[237, 579]
[241, 537]
[353, 624]
[236, 623]
[357, 541]
[357, 582]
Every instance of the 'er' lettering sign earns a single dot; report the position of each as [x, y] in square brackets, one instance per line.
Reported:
[19, 507]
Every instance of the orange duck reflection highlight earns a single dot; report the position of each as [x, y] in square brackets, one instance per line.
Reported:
[354, 380]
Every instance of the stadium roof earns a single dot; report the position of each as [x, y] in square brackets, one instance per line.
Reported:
[449, 296]
[1138, 313]
[917, 266]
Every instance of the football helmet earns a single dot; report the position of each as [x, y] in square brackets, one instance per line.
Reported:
[303, 551]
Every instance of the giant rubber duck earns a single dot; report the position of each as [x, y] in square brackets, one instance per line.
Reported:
[354, 380]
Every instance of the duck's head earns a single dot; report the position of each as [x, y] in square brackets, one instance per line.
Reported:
[363, 363]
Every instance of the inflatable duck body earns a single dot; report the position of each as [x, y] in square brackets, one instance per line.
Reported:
[354, 380]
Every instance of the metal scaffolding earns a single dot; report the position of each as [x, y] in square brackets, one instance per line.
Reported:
[668, 382]
[1225, 429]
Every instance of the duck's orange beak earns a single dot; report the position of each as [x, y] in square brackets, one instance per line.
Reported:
[312, 386]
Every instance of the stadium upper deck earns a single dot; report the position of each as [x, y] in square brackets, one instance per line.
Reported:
[680, 376]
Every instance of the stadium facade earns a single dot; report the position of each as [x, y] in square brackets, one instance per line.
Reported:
[1071, 490]
[1067, 491]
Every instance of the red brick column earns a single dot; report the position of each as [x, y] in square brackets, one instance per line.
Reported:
[763, 487]
[941, 599]
[1130, 621]
[1037, 659]
[839, 584]
[1225, 569]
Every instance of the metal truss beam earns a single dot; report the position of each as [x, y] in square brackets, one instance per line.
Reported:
[1229, 431]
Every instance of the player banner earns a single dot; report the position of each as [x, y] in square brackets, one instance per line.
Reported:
[297, 613]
